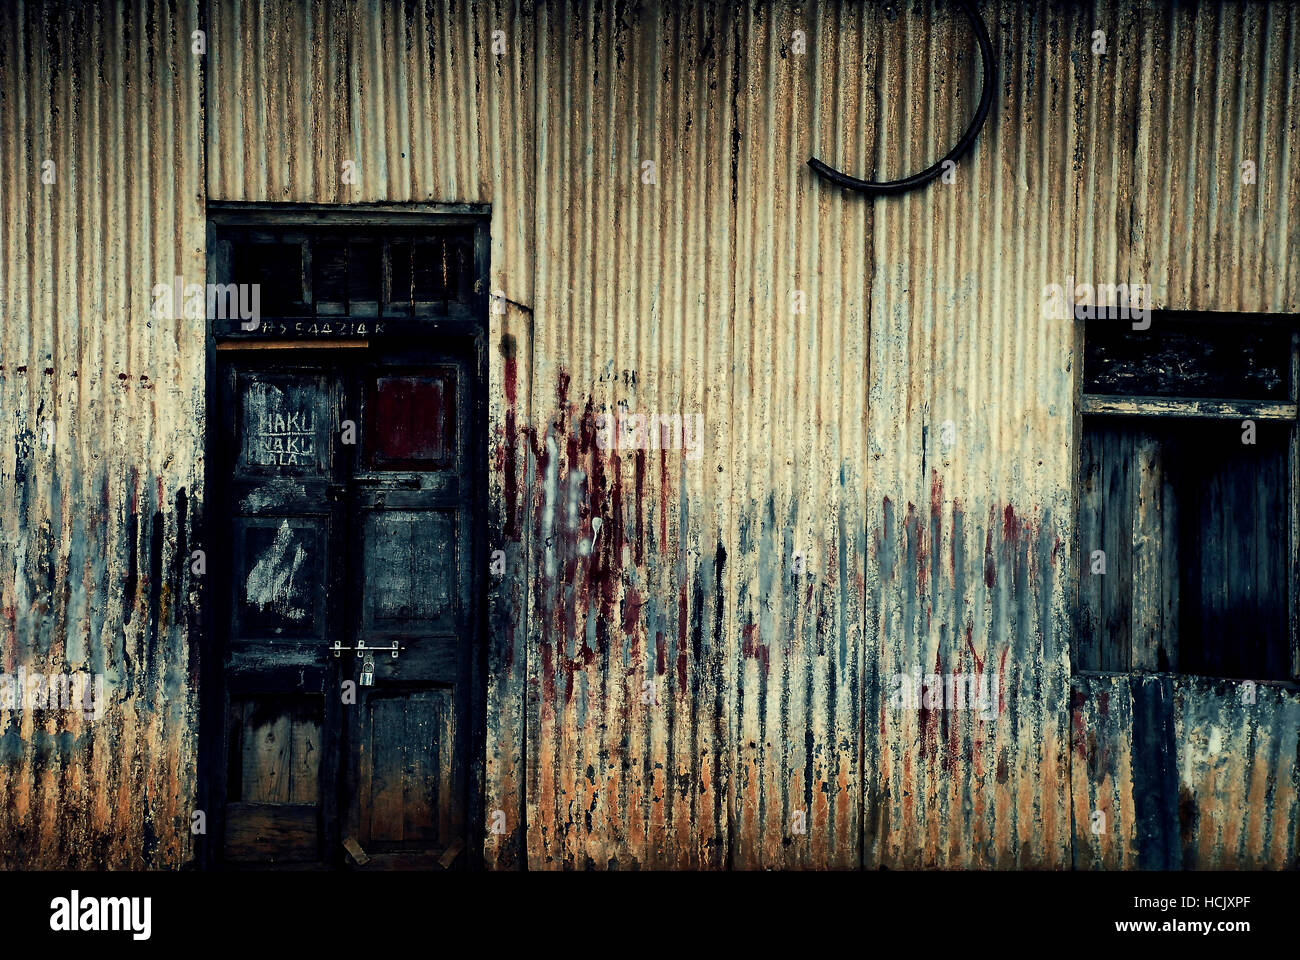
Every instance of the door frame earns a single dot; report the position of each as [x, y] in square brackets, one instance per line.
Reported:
[469, 332]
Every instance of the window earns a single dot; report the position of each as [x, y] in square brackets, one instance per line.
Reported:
[1187, 494]
[317, 281]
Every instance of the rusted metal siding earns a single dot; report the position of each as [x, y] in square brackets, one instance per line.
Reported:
[966, 565]
[1100, 168]
[802, 278]
[1162, 127]
[1222, 794]
[101, 411]
[1102, 772]
[886, 478]
[1238, 764]
[969, 462]
[400, 90]
[631, 718]
[1189, 772]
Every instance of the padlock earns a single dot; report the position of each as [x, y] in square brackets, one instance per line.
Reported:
[368, 673]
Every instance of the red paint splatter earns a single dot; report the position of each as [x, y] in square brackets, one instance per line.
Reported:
[512, 380]
[929, 717]
[990, 568]
[752, 648]
[952, 547]
[970, 644]
[632, 603]
[639, 483]
[1010, 525]
[510, 467]
[1080, 738]
[664, 497]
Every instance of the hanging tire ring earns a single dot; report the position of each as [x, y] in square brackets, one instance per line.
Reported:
[874, 187]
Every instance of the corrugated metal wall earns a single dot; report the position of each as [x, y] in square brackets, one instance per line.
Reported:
[885, 479]
[101, 412]
[968, 465]
[628, 649]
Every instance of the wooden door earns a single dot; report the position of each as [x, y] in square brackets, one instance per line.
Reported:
[349, 488]
[411, 596]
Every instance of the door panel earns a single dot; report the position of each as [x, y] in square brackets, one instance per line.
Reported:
[279, 561]
[279, 749]
[413, 525]
[283, 535]
[412, 587]
[412, 420]
[275, 773]
[408, 787]
[284, 422]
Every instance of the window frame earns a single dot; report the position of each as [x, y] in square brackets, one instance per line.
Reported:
[1095, 405]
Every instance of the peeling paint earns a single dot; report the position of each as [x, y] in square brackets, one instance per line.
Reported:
[689, 658]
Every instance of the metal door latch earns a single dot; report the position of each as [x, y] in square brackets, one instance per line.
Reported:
[361, 649]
